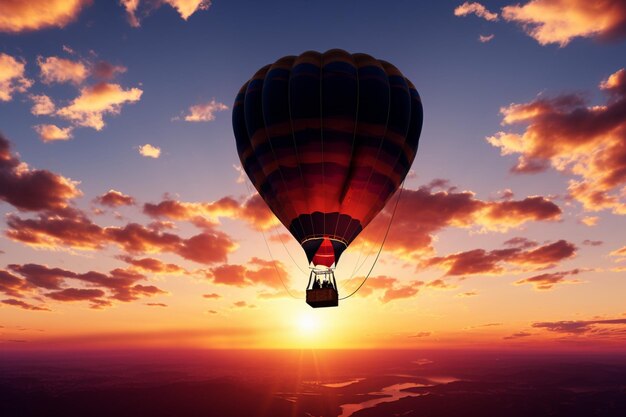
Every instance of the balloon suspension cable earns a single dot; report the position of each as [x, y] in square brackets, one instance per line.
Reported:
[272, 257]
[393, 213]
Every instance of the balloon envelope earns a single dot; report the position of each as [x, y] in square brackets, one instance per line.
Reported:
[326, 139]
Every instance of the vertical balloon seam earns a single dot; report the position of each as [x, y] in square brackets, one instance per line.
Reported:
[322, 145]
[356, 123]
[382, 139]
[269, 140]
[399, 155]
[287, 189]
[266, 180]
[295, 144]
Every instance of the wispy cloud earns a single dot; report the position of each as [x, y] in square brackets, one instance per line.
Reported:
[23, 16]
[149, 151]
[204, 112]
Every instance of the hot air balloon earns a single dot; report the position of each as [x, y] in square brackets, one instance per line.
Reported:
[326, 139]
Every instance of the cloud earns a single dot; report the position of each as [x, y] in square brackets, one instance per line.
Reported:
[51, 133]
[42, 105]
[12, 78]
[586, 141]
[398, 293]
[204, 112]
[521, 242]
[421, 334]
[114, 198]
[75, 294]
[72, 228]
[560, 21]
[119, 284]
[590, 220]
[12, 285]
[153, 265]
[517, 335]
[32, 189]
[21, 16]
[41, 276]
[256, 271]
[60, 70]
[467, 294]
[104, 70]
[578, 326]
[478, 9]
[23, 304]
[486, 38]
[96, 101]
[185, 8]
[156, 304]
[619, 252]
[548, 281]
[252, 210]
[480, 261]
[212, 296]
[440, 284]
[588, 242]
[150, 151]
[424, 212]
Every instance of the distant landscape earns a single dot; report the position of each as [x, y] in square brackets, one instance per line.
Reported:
[313, 383]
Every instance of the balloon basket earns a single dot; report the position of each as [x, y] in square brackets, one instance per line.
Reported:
[322, 288]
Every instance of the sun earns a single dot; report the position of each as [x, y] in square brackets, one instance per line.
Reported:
[307, 324]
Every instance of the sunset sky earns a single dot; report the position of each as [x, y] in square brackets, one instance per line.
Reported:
[127, 221]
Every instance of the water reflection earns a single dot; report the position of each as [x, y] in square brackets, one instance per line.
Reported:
[391, 393]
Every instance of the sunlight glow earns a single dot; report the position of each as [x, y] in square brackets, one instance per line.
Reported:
[307, 324]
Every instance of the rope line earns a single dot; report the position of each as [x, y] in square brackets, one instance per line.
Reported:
[272, 257]
[381, 246]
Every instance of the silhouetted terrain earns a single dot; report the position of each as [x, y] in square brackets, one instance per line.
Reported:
[311, 383]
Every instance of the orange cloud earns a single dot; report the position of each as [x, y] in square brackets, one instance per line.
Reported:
[60, 70]
[153, 265]
[94, 102]
[398, 293]
[185, 8]
[548, 281]
[424, 212]
[21, 16]
[150, 151]
[32, 189]
[24, 305]
[391, 288]
[252, 210]
[72, 228]
[204, 112]
[620, 254]
[587, 142]
[256, 271]
[211, 296]
[42, 105]
[581, 326]
[119, 284]
[51, 133]
[12, 285]
[478, 9]
[12, 78]
[486, 38]
[440, 284]
[560, 21]
[480, 261]
[114, 198]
